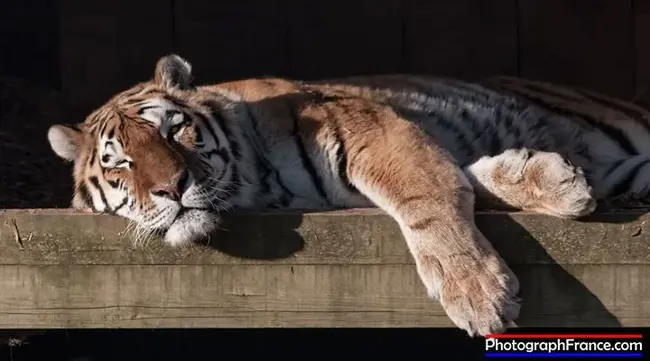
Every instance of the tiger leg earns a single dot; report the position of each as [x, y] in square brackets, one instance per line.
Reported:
[432, 201]
[528, 180]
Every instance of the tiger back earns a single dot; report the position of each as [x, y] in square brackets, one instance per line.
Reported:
[170, 156]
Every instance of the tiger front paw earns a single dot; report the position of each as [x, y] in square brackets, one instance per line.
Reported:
[558, 187]
[535, 181]
[479, 296]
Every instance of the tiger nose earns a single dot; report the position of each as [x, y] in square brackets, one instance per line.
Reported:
[173, 189]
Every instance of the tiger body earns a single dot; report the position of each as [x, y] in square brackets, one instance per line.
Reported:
[170, 156]
[607, 138]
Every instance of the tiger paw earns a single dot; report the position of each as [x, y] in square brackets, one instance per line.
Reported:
[542, 182]
[557, 187]
[480, 297]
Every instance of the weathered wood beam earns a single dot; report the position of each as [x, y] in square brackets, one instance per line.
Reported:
[348, 268]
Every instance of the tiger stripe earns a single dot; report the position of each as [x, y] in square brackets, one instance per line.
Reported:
[623, 123]
[171, 156]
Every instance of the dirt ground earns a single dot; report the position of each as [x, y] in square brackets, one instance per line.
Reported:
[31, 176]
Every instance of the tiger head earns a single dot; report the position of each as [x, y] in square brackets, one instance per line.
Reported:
[145, 155]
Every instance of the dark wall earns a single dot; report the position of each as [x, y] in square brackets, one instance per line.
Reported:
[91, 49]
[59, 59]
[29, 41]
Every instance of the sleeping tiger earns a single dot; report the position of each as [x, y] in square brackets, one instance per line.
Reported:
[170, 155]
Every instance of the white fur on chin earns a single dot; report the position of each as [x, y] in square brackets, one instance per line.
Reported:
[191, 226]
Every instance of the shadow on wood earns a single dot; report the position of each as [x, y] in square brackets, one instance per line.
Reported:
[552, 295]
[241, 239]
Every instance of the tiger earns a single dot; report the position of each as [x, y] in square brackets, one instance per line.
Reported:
[170, 155]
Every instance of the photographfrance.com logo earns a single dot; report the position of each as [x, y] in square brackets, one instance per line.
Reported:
[560, 346]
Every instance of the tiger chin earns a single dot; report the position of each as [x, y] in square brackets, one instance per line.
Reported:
[191, 225]
[170, 156]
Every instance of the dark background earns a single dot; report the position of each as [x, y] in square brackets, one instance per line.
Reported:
[91, 49]
[267, 344]
[60, 59]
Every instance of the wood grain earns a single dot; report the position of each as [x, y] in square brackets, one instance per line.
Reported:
[365, 236]
[62, 269]
[296, 296]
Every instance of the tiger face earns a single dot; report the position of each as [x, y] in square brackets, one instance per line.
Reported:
[145, 155]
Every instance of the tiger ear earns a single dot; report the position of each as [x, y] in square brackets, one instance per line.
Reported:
[172, 71]
[65, 140]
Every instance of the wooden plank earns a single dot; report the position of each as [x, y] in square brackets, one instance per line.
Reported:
[106, 48]
[226, 40]
[587, 43]
[362, 236]
[642, 37]
[341, 37]
[464, 38]
[62, 269]
[297, 296]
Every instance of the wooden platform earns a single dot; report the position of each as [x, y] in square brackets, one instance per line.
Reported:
[60, 269]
